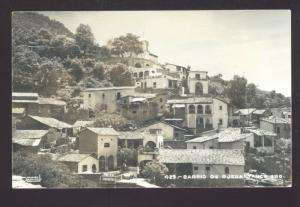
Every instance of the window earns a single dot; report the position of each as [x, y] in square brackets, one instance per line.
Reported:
[146, 74]
[118, 95]
[197, 76]
[134, 112]
[191, 109]
[161, 107]
[141, 74]
[170, 83]
[84, 168]
[207, 109]
[103, 95]
[138, 65]
[226, 170]
[106, 145]
[176, 135]
[90, 95]
[220, 107]
[268, 142]
[220, 121]
[196, 168]
[160, 100]
[200, 109]
[257, 141]
[207, 169]
[194, 147]
[278, 130]
[135, 75]
[154, 84]
[155, 131]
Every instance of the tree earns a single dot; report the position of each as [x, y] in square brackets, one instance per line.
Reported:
[25, 64]
[84, 37]
[98, 71]
[115, 121]
[53, 174]
[155, 171]
[237, 91]
[126, 45]
[251, 94]
[120, 76]
[76, 69]
[128, 156]
[51, 77]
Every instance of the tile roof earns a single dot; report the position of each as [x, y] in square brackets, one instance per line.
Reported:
[191, 100]
[51, 101]
[203, 139]
[109, 88]
[103, 131]
[81, 123]
[245, 111]
[29, 134]
[259, 112]
[27, 142]
[73, 157]
[131, 135]
[202, 156]
[51, 122]
[276, 120]
[18, 110]
[261, 132]
[232, 135]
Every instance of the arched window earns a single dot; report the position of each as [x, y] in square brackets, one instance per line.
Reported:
[207, 109]
[191, 109]
[140, 74]
[138, 65]
[199, 109]
[94, 168]
[146, 74]
[226, 170]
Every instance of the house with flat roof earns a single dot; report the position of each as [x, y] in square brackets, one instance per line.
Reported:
[201, 114]
[105, 99]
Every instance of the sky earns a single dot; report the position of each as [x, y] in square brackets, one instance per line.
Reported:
[255, 44]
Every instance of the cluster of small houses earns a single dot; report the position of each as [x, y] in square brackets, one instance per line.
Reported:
[191, 132]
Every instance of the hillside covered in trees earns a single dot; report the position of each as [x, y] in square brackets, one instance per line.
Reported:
[49, 59]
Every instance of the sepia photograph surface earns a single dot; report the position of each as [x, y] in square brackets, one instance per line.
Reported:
[151, 99]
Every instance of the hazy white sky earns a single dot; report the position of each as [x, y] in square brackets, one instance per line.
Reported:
[253, 43]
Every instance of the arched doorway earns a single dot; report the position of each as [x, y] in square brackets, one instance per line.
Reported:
[110, 162]
[94, 168]
[199, 123]
[141, 74]
[150, 145]
[146, 73]
[199, 88]
[102, 163]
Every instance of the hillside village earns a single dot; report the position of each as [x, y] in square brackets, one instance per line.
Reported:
[86, 115]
